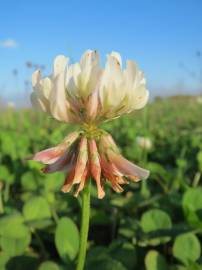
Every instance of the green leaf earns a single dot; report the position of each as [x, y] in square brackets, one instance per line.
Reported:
[67, 239]
[192, 206]
[15, 236]
[119, 201]
[36, 208]
[125, 253]
[99, 216]
[158, 169]
[97, 253]
[10, 219]
[153, 222]
[194, 266]
[35, 166]
[106, 264]
[178, 267]
[155, 261]
[22, 263]
[29, 181]
[40, 224]
[187, 248]
[5, 175]
[8, 145]
[4, 257]
[54, 182]
[49, 266]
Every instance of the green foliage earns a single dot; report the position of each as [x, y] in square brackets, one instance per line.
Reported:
[192, 205]
[67, 239]
[99, 259]
[29, 181]
[187, 248]
[108, 264]
[154, 221]
[22, 263]
[5, 175]
[36, 208]
[4, 258]
[54, 182]
[124, 253]
[155, 261]
[38, 223]
[14, 235]
[49, 266]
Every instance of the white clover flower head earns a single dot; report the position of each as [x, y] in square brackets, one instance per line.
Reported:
[144, 142]
[86, 92]
[11, 105]
[199, 99]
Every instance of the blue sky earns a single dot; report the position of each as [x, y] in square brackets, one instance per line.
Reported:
[157, 34]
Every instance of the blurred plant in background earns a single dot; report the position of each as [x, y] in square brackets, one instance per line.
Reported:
[144, 142]
[39, 225]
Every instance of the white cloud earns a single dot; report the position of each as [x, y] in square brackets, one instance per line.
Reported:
[8, 43]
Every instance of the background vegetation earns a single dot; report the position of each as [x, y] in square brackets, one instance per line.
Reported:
[153, 225]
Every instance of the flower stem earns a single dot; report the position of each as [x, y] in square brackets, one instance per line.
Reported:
[84, 227]
[1, 204]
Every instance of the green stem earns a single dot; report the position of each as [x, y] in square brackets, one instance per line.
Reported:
[6, 192]
[54, 214]
[1, 203]
[84, 227]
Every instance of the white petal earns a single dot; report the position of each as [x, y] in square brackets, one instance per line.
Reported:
[36, 76]
[139, 99]
[46, 87]
[89, 58]
[73, 72]
[111, 86]
[117, 56]
[131, 71]
[89, 75]
[59, 65]
[58, 101]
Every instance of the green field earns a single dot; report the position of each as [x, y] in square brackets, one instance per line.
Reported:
[154, 224]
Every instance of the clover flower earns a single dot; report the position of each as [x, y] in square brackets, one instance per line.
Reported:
[86, 94]
[144, 142]
[11, 105]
